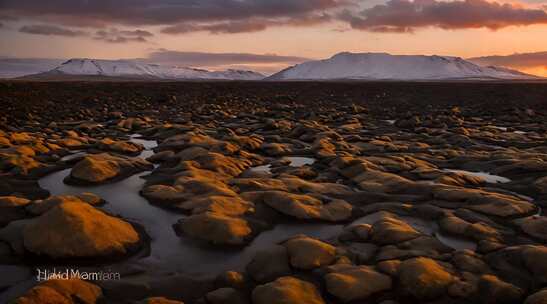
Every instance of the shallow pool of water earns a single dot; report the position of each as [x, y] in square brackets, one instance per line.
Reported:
[295, 161]
[262, 169]
[299, 161]
[147, 144]
[74, 155]
[489, 178]
[500, 128]
[457, 243]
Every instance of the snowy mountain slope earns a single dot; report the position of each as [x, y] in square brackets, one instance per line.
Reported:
[131, 68]
[381, 66]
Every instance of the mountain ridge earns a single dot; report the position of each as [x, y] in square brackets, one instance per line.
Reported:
[134, 69]
[341, 66]
[383, 66]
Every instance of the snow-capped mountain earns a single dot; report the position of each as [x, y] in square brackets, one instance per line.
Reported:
[382, 66]
[136, 69]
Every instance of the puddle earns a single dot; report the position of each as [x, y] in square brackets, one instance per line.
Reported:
[489, 178]
[295, 161]
[511, 193]
[74, 155]
[455, 242]
[298, 161]
[148, 144]
[504, 129]
[146, 154]
[262, 169]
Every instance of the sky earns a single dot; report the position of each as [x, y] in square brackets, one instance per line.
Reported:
[269, 35]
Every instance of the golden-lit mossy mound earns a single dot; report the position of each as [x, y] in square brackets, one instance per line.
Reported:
[287, 290]
[391, 230]
[123, 147]
[70, 291]
[423, 278]
[39, 207]
[74, 230]
[216, 228]
[101, 168]
[349, 283]
[13, 202]
[11, 209]
[94, 169]
[307, 253]
[300, 206]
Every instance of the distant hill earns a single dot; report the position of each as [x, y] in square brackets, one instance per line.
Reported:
[382, 66]
[130, 69]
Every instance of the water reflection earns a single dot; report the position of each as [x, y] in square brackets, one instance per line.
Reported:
[295, 161]
[489, 178]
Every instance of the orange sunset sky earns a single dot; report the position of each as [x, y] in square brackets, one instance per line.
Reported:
[270, 35]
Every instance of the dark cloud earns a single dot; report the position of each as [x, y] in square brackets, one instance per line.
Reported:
[525, 60]
[166, 12]
[229, 27]
[219, 59]
[50, 30]
[404, 16]
[4, 17]
[240, 16]
[245, 26]
[122, 36]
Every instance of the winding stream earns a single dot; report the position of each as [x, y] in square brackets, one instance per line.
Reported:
[170, 253]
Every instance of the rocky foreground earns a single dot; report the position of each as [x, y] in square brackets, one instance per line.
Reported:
[428, 203]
